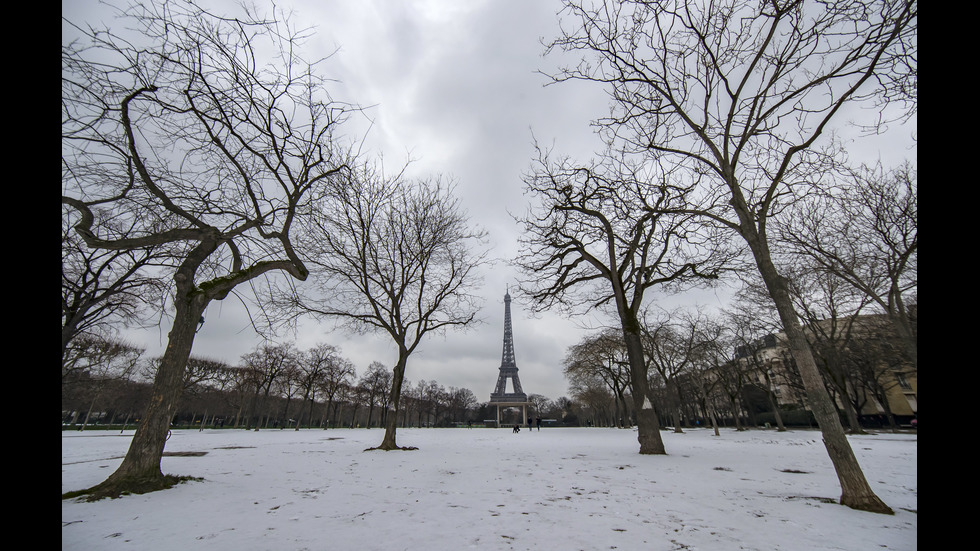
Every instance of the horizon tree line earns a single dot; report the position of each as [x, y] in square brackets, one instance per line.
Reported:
[273, 386]
[716, 384]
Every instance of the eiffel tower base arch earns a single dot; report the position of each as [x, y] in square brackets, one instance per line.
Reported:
[505, 405]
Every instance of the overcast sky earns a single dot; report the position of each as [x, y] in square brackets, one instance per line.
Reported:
[455, 86]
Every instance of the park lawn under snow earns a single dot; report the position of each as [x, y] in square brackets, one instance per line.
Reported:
[554, 489]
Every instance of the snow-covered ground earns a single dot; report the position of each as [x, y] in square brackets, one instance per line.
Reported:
[554, 489]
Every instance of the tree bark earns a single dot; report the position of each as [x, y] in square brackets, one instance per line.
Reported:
[391, 420]
[855, 490]
[714, 421]
[773, 401]
[647, 422]
[671, 385]
[140, 469]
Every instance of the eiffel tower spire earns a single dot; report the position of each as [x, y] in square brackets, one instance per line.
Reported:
[508, 365]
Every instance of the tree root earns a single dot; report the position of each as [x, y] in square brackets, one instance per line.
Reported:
[870, 504]
[387, 449]
[127, 486]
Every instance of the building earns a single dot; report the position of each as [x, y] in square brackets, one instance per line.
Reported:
[864, 353]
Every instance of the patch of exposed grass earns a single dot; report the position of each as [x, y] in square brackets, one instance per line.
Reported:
[129, 487]
[184, 454]
[403, 448]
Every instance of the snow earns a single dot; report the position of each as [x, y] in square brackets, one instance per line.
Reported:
[557, 488]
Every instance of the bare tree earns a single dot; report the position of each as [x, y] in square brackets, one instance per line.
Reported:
[750, 334]
[268, 363]
[423, 394]
[600, 236]
[755, 335]
[339, 374]
[602, 356]
[539, 403]
[376, 383]
[865, 231]
[316, 366]
[288, 386]
[237, 381]
[395, 256]
[830, 310]
[702, 375]
[438, 404]
[198, 373]
[94, 363]
[732, 378]
[202, 135]
[430, 395]
[877, 362]
[594, 396]
[460, 402]
[201, 371]
[347, 394]
[737, 94]
[674, 343]
[199, 376]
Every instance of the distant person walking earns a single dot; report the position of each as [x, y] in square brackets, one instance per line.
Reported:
[517, 428]
[538, 423]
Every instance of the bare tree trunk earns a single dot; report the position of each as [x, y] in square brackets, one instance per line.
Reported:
[773, 402]
[88, 414]
[140, 469]
[892, 425]
[775, 412]
[299, 416]
[736, 413]
[856, 492]
[903, 326]
[353, 414]
[677, 406]
[285, 412]
[388, 443]
[851, 413]
[309, 410]
[622, 411]
[647, 422]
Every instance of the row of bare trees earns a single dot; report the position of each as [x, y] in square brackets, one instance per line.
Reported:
[274, 385]
[713, 370]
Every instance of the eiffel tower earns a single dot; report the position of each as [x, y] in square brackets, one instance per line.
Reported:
[508, 371]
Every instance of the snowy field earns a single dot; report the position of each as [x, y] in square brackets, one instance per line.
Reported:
[554, 489]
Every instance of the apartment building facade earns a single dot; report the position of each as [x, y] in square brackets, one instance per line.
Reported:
[866, 360]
